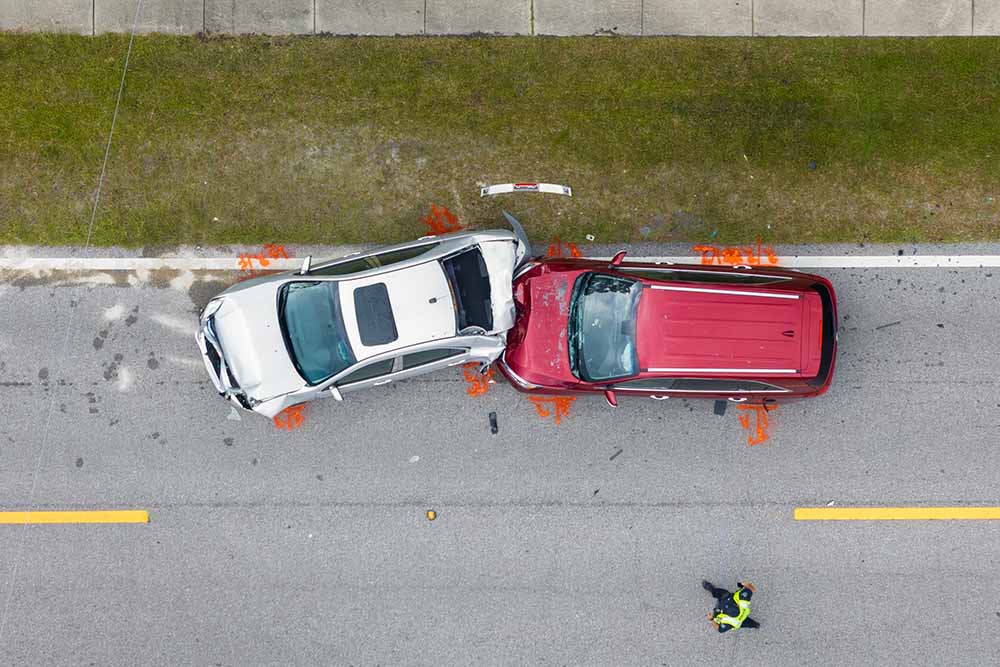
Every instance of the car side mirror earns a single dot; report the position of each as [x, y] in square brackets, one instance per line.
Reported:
[618, 259]
[609, 396]
[337, 396]
[306, 265]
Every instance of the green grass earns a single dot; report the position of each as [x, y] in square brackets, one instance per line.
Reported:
[345, 140]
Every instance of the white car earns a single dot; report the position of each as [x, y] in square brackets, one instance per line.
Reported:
[363, 320]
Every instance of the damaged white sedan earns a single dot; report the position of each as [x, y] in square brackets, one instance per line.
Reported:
[363, 320]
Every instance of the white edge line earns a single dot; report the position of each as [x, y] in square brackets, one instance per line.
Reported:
[854, 261]
[232, 263]
[136, 263]
[709, 290]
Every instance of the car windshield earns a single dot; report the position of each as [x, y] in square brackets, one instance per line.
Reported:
[602, 315]
[313, 327]
[470, 284]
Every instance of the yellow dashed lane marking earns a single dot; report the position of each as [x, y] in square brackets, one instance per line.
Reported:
[81, 516]
[896, 513]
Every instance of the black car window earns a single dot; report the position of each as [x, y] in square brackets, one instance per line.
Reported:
[415, 359]
[313, 328]
[722, 386]
[761, 386]
[342, 267]
[363, 263]
[695, 276]
[654, 274]
[368, 372]
[650, 384]
[393, 256]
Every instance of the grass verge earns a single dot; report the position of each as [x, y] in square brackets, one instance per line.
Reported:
[346, 140]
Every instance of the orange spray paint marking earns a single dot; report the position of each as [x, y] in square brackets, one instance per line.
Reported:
[442, 221]
[709, 253]
[247, 266]
[732, 255]
[559, 249]
[479, 383]
[275, 251]
[761, 424]
[247, 269]
[246, 263]
[290, 418]
[559, 403]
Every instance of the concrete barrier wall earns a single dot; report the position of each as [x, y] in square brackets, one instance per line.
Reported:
[509, 17]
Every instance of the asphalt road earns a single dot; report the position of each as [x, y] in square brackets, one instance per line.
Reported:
[311, 546]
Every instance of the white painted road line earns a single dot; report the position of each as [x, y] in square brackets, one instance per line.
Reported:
[35, 264]
[857, 261]
[140, 264]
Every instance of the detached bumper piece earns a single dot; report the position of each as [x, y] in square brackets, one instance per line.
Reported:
[507, 188]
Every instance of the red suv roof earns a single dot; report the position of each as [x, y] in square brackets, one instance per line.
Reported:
[713, 329]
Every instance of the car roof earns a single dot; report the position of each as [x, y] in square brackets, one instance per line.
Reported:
[420, 304]
[710, 331]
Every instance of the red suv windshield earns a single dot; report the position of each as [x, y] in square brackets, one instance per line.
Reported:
[602, 316]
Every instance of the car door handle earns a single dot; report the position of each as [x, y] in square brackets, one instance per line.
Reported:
[659, 398]
[381, 382]
[737, 400]
[456, 363]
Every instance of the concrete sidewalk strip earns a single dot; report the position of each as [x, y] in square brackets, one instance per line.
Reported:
[559, 17]
[179, 17]
[501, 17]
[696, 17]
[986, 18]
[919, 17]
[511, 17]
[808, 17]
[272, 17]
[370, 17]
[49, 16]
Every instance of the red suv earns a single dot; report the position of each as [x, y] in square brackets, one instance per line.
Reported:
[669, 330]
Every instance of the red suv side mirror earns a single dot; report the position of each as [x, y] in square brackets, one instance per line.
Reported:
[609, 396]
[617, 260]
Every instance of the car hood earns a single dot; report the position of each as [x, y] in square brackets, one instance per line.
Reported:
[537, 348]
[250, 336]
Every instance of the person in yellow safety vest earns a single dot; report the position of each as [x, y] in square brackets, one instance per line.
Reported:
[732, 610]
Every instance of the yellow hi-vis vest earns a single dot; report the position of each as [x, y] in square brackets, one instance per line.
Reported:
[736, 621]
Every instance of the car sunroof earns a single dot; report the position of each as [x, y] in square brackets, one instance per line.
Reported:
[375, 322]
